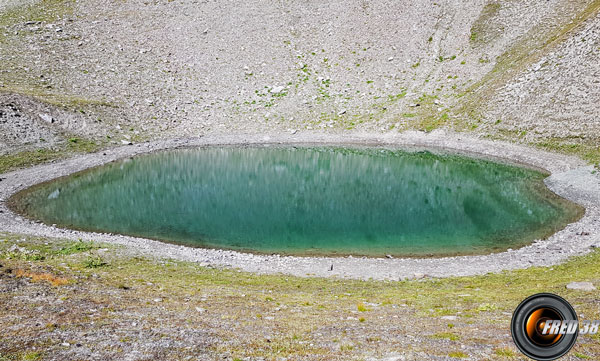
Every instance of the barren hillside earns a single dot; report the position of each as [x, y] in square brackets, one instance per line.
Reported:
[115, 71]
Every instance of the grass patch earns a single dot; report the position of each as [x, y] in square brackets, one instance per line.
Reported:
[484, 28]
[94, 262]
[30, 158]
[77, 247]
[504, 352]
[588, 152]
[446, 336]
[361, 307]
[458, 354]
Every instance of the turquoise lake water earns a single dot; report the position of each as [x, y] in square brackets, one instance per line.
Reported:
[308, 200]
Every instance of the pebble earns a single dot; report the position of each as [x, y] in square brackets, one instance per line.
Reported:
[47, 118]
[277, 89]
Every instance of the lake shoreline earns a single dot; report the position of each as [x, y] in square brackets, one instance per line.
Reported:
[570, 178]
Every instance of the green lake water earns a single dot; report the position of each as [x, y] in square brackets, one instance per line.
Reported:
[308, 200]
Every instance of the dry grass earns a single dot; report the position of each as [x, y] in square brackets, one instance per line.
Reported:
[42, 277]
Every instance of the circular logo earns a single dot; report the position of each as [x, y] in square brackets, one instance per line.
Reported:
[544, 327]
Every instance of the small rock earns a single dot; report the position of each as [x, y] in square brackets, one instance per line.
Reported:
[418, 275]
[293, 131]
[449, 318]
[581, 286]
[200, 309]
[157, 300]
[126, 142]
[65, 344]
[277, 89]
[390, 58]
[47, 118]
[342, 112]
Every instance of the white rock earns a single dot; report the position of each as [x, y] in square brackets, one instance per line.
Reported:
[157, 300]
[200, 309]
[581, 286]
[449, 318]
[277, 89]
[47, 118]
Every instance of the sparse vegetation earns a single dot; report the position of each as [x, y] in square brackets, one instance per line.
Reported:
[29, 158]
[299, 306]
[94, 262]
[504, 352]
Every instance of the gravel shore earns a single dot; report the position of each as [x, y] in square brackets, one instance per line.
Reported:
[570, 178]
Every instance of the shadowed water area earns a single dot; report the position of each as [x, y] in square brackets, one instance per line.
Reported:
[308, 200]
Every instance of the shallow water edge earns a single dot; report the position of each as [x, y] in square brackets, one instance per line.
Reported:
[570, 177]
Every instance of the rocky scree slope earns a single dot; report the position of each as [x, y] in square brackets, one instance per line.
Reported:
[121, 71]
